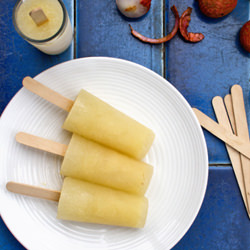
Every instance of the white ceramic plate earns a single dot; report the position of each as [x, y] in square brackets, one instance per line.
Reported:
[178, 154]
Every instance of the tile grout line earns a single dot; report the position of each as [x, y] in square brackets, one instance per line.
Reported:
[220, 165]
[74, 13]
[163, 33]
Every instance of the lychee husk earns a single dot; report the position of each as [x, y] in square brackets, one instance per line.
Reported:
[217, 8]
[245, 36]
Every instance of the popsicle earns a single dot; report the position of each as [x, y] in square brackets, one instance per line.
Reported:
[86, 202]
[98, 121]
[97, 204]
[90, 161]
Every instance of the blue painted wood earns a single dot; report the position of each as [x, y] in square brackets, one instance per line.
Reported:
[203, 70]
[222, 222]
[18, 58]
[7, 240]
[103, 31]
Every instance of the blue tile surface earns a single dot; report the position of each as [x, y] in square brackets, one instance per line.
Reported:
[222, 222]
[7, 240]
[103, 31]
[203, 70]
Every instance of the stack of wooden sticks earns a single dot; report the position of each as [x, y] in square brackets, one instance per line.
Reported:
[232, 128]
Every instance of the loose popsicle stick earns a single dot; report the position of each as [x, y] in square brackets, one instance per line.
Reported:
[222, 117]
[230, 112]
[47, 93]
[220, 132]
[41, 143]
[29, 190]
[242, 132]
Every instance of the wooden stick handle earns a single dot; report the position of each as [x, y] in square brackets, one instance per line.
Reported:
[239, 112]
[220, 132]
[38, 192]
[41, 143]
[223, 119]
[230, 112]
[47, 93]
[242, 132]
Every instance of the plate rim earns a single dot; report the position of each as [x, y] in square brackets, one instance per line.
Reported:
[163, 80]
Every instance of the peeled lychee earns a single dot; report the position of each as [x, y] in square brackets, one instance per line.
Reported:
[133, 8]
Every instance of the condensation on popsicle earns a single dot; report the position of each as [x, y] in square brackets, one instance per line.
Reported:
[86, 202]
[90, 161]
[98, 121]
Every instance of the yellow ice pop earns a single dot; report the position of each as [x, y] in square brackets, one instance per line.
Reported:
[95, 163]
[92, 162]
[100, 122]
[87, 202]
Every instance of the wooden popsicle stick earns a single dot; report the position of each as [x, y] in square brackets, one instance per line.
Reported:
[220, 132]
[47, 93]
[242, 132]
[229, 106]
[223, 119]
[41, 143]
[29, 190]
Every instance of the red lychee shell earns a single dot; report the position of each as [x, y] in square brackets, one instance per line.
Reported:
[217, 8]
[245, 36]
[146, 3]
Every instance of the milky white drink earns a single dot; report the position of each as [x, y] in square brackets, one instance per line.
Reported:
[51, 37]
